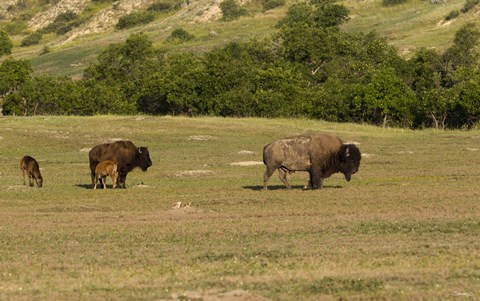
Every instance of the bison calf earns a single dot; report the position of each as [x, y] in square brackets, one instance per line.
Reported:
[30, 168]
[321, 155]
[104, 169]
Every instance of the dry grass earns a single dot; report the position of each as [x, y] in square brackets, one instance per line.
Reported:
[405, 228]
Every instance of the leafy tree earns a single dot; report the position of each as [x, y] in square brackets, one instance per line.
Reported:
[465, 111]
[6, 44]
[176, 89]
[14, 73]
[463, 53]
[385, 98]
[127, 65]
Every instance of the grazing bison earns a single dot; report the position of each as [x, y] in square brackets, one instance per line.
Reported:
[320, 154]
[125, 153]
[30, 168]
[104, 169]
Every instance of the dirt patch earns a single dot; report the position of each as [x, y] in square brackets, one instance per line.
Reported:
[18, 188]
[44, 18]
[194, 173]
[246, 152]
[247, 163]
[202, 138]
[235, 295]
[141, 186]
[472, 149]
[210, 13]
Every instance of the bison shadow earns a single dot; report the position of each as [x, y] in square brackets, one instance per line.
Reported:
[283, 187]
[89, 186]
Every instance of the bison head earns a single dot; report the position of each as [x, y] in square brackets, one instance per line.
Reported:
[349, 160]
[143, 158]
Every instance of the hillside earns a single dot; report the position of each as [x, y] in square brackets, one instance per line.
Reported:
[406, 26]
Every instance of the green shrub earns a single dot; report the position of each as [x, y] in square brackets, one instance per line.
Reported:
[469, 5]
[163, 6]
[271, 4]
[180, 35]
[452, 15]
[393, 2]
[6, 44]
[135, 19]
[231, 10]
[63, 23]
[32, 39]
[16, 27]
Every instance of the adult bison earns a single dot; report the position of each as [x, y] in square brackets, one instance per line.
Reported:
[320, 154]
[125, 153]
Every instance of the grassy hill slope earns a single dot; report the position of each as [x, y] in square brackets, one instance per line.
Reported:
[407, 26]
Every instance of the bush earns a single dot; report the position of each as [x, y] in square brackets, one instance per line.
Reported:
[6, 44]
[135, 19]
[32, 39]
[231, 10]
[469, 5]
[181, 35]
[393, 2]
[163, 6]
[62, 24]
[452, 15]
[271, 4]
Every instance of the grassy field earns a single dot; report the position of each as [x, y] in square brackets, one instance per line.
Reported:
[405, 228]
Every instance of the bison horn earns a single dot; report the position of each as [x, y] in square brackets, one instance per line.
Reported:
[347, 152]
[139, 150]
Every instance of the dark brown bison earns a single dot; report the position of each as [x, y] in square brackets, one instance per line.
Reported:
[320, 154]
[125, 153]
[104, 169]
[30, 168]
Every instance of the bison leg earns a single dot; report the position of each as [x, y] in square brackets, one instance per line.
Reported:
[282, 175]
[24, 172]
[268, 173]
[122, 178]
[30, 180]
[315, 179]
[114, 179]
[104, 182]
[95, 181]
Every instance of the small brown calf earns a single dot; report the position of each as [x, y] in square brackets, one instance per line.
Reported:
[104, 169]
[30, 168]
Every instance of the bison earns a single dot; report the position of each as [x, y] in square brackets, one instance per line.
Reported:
[104, 169]
[30, 168]
[320, 154]
[125, 153]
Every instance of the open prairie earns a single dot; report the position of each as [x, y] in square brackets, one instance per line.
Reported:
[405, 228]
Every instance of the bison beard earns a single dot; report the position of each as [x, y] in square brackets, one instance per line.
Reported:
[319, 154]
[125, 153]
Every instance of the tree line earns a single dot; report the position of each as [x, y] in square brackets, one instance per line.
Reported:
[308, 68]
